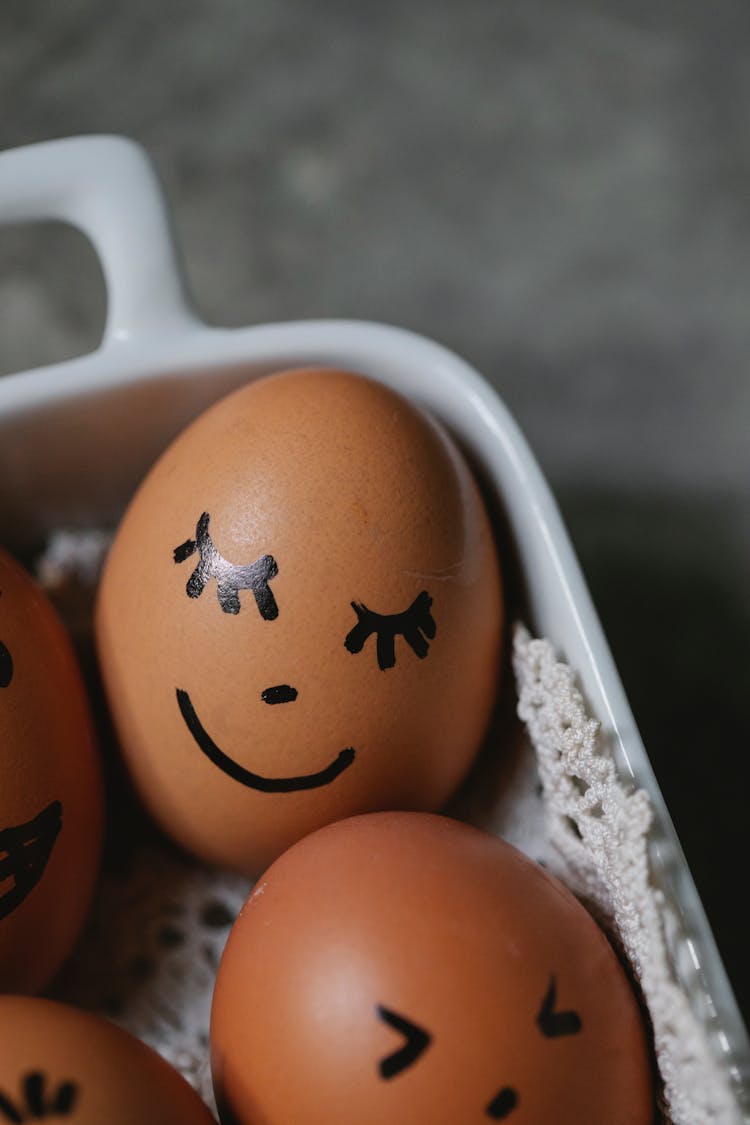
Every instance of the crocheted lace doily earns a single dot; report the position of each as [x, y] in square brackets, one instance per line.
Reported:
[149, 955]
[598, 836]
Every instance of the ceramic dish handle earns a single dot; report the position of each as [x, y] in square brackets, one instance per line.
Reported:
[107, 187]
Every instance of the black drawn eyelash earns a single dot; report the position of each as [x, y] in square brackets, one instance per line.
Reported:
[411, 625]
[59, 1104]
[230, 578]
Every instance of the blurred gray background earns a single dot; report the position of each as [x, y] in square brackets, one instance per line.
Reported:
[558, 191]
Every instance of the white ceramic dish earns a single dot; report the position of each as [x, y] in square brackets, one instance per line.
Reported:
[76, 437]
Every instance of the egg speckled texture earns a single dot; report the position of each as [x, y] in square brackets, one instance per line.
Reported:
[59, 1063]
[51, 793]
[404, 967]
[301, 617]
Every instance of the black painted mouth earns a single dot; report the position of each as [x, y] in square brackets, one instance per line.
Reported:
[256, 780]
[24, 853]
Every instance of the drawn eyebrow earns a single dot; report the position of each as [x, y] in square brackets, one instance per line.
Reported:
[410, 624]
[230, 578]
[417, 1041]
[554, 1024]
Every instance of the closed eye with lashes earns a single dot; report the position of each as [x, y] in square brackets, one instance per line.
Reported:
[231, 578]
[415, 624]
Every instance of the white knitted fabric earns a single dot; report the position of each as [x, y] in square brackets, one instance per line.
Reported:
[149, 955]
[604, 860]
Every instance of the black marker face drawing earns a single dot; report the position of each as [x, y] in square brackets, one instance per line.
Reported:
[247, 777]
[230, 579]
[24, 849]
[37, 1101]
[415, 625]
[6, 666]
[24, 854]
[551, 1023]
[416, 1043]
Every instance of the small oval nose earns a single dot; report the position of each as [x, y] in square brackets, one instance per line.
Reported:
[503, 1103]
[281, 693]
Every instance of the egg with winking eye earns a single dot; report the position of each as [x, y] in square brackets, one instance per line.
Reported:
[301, 616]
[406, 968]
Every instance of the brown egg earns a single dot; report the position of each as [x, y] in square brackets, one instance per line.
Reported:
[301, 617]
[406, 968]
[57, 1062]
[51, 796]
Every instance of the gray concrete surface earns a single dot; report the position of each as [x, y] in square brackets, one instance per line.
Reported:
[560, 192]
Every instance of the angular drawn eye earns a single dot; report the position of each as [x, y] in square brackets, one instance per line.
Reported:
[411, 624]
[554, 1024]
[230, 578]
[417, 1041]
[6, 666]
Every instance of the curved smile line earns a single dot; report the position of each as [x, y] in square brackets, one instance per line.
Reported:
[246, 777]
[26, 850]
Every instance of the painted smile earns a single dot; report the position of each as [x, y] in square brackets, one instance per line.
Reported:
[246, 777]
[24, 852]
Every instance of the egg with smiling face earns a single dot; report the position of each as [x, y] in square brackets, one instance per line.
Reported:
[301, 617]
[442, 978]
[51, 788]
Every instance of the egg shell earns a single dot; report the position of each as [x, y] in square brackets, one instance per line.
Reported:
[410, 934]
[51, 791]
[362, 503]
[75, 1066]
